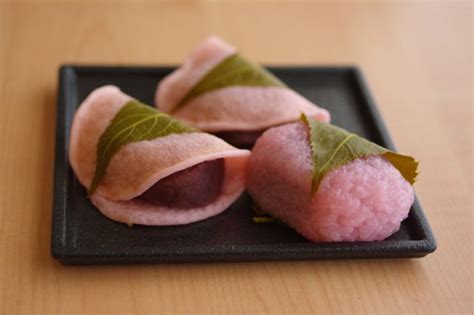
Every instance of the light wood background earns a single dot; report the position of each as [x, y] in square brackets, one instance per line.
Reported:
[417, 57]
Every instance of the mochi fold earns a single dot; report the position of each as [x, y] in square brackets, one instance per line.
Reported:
[139, 165]
[232, 108]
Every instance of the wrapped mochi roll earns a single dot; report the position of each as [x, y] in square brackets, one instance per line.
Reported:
[141, 166]
[328, 184]
[219, 91]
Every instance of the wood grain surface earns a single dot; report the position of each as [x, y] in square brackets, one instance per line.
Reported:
[417, 57]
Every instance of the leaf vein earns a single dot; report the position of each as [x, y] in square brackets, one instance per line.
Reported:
[335, 152]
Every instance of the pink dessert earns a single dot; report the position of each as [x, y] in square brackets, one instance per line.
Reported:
[365, 200]
[145, 180]
[235, 109]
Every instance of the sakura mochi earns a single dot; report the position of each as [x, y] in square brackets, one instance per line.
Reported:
[140, 166]
[219, 91]
[361, 197]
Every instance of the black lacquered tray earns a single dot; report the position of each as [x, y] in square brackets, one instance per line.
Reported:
[82, 236]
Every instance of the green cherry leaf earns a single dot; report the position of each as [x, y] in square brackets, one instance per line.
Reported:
[232, 71]
[134, 122]
[333, 147]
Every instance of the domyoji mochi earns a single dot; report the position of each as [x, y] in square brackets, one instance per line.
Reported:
[238, 111]
[363, 200]
[174, 179]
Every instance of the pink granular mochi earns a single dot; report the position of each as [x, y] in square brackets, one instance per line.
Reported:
[365, 200]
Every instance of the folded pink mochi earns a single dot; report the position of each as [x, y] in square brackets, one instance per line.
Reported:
[138, 166]
[234, 108]
[365, 200]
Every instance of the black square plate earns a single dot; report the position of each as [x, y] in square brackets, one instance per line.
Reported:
[82, 236]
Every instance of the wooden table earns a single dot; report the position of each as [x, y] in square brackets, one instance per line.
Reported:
[417, 58]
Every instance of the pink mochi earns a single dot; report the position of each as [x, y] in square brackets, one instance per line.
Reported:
[365, 200]
[139, 165]
[233, 108]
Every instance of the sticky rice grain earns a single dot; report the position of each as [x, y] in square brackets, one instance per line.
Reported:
[364, 200]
